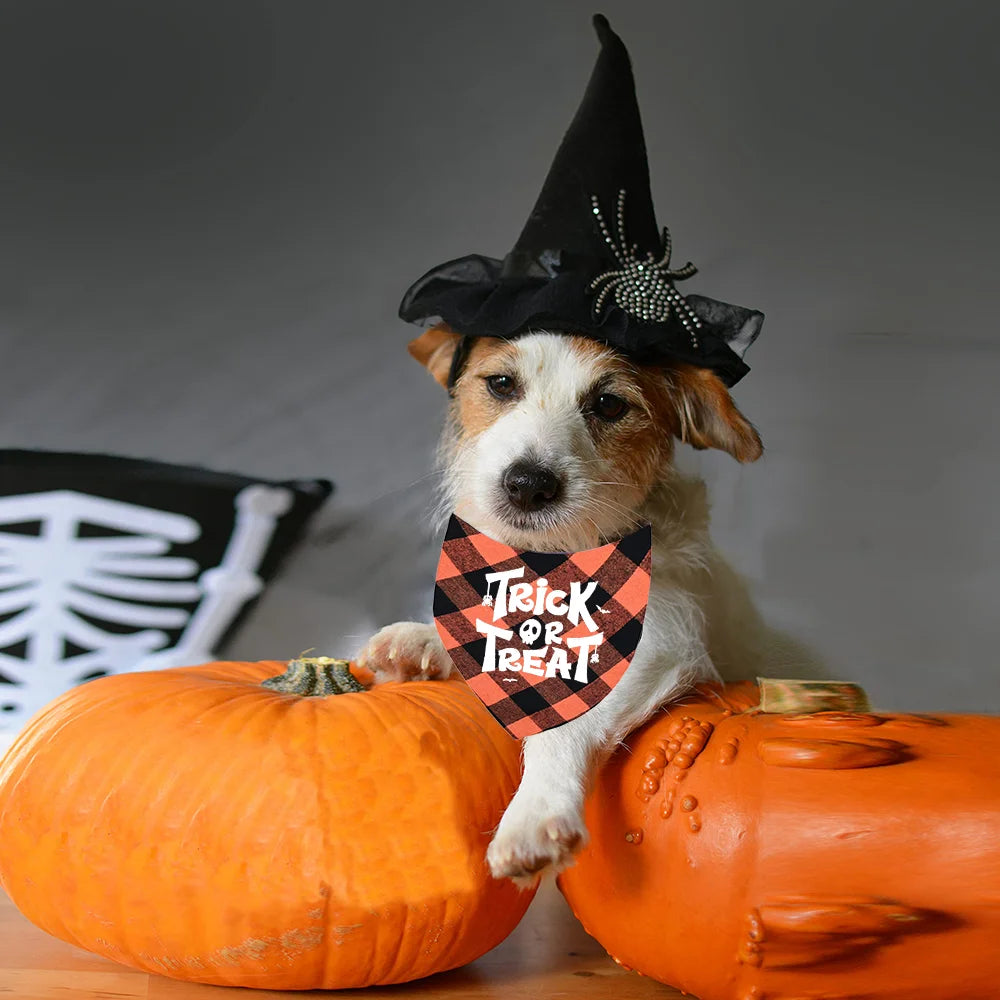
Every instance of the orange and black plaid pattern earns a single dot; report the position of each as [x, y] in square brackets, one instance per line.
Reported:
[523, 703]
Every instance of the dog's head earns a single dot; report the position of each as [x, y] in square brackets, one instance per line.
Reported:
[554, 442]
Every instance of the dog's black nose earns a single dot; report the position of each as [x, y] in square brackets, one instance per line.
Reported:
[530, 486]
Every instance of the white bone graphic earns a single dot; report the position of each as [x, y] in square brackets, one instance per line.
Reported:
[57, 587]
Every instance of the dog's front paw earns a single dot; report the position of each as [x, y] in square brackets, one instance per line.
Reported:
[406, 651]
[523, 849]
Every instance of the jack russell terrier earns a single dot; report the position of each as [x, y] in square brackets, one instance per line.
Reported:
[555, 442]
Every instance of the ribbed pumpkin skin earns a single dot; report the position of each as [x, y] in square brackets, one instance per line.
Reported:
[190, 823]
[824, 856]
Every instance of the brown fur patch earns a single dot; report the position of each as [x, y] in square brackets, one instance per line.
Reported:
[651, 448]
[639, 446]
[678, 401]
[707, 415]
[434, 349]
[476, 408]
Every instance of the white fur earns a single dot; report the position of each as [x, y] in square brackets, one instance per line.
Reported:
[410, 651]
[700, 623]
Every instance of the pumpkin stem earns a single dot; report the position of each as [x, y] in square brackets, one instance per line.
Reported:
[315, 676]
[807, 696]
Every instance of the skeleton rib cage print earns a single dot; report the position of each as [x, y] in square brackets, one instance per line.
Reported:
[92, 585]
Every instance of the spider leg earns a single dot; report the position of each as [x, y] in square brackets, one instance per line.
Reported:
[620, 217]
[691, 314]
[685, 272]
[615, 249]
[602, 277]
[599, 301]
[664, 261]
[686, 314]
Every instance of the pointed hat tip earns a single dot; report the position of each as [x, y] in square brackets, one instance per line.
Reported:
[603, 29]
[607, 36]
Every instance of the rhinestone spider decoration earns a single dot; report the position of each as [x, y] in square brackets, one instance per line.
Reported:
[643, 286]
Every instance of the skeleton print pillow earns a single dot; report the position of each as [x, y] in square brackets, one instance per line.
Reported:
[114, 564]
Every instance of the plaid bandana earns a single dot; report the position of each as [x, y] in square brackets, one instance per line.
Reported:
[540, 637]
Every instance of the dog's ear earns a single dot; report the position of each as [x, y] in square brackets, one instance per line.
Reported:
[434, 349]
[707, 417]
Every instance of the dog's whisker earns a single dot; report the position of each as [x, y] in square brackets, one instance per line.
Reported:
[599, 504]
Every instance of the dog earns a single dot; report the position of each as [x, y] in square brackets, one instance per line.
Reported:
[554, 442]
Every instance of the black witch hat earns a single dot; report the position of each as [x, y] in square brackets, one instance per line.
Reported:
[591, 259]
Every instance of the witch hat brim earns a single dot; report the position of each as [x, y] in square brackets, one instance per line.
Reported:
[590, 259]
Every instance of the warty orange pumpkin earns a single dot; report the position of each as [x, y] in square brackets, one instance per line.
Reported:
[742, 854]
[196, 823]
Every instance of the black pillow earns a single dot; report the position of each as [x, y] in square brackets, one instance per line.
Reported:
[112, 564]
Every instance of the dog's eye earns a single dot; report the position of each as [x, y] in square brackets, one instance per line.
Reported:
[609, 407]
[501, 386]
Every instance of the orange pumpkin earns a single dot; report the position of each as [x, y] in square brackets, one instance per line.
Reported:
[742, 855]
[194, 823]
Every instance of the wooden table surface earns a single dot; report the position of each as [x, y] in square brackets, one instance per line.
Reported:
[548, 955]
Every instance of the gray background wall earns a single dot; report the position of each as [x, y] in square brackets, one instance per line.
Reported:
[208, 212]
